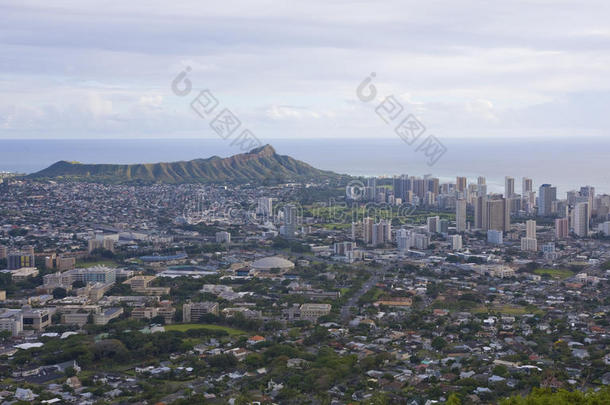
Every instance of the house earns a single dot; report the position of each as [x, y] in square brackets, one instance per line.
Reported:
[296, 363]
[25, 395]
[256, 339]
[73, 382]
[580, 353]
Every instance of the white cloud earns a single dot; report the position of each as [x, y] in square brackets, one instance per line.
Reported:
[85, 68]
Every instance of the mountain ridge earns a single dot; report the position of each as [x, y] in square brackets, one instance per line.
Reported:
[261, 164]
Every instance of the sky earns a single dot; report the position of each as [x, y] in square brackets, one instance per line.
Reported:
[104, 69]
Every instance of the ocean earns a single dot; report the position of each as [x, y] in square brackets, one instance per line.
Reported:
[566, 163]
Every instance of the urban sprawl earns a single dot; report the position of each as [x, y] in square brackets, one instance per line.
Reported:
[387, 290]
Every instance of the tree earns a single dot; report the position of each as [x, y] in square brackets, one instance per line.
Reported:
[439, 343]
[453, 400]
[255, 360]
[59, 293]
[562, 397]
[222, 361]
[70, 372]
[159, 320]
[5, 335]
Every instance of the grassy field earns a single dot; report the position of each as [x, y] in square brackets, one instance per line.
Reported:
[109, 263]
[555, 273]
[183, 327]
[507, 310]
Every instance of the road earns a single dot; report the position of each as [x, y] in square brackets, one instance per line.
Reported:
[351, 303]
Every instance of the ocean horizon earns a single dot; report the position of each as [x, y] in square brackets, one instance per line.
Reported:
[565, 162]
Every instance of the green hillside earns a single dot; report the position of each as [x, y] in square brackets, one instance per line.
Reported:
[259, 165]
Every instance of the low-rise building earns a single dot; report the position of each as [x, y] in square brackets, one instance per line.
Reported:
[23, 273]
[193, 311]
[311, 312]
[12, 321]
[107, 315]
[37, 319]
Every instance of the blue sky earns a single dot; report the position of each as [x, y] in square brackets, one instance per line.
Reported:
[95, 69]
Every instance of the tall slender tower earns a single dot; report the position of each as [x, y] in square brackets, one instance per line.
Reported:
[546, 195]
[509, 186]
[480, 212]
[581, 219]
[460, 215]
[527, 186]
[530, 229]
[498, 214]
[460, 184]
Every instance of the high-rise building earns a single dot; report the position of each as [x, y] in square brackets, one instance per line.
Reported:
[421, 241]
[528, 201]
[3, 252]
[471, 193]
[382, 233]
[432, 224]
[371, 188]
[514, 204]
[367, 230]
[561, 228]
[481, 186]
[432, 185]
[581, 219]
[401, 187]
[588, 192]
[573, 197]
[480, 212]
[509, 186]
[419, 188]
[290, 220]
[546, 195]
[456, 242]
[561, 208]
[498, 214]
[529, 244]
[460, 184]
[460, 215]
[527, 186]
[442, 226]
[403, 240]
[356, 231]
[530, 229]
[265, 206]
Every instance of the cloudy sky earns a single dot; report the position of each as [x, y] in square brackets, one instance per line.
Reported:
[91, 69]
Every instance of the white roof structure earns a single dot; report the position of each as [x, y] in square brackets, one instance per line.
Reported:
[272, 262]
